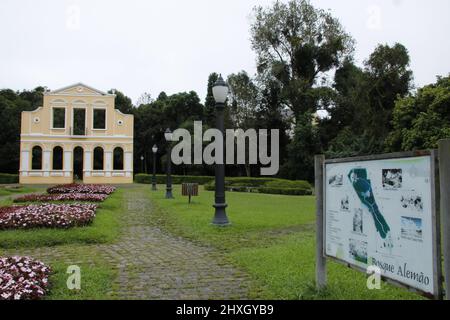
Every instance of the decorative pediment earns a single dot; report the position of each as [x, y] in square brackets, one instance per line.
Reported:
[78, 89]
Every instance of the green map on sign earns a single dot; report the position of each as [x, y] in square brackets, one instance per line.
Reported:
[362, 186]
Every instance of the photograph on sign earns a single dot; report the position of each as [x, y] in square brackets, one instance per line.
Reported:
[380, 213]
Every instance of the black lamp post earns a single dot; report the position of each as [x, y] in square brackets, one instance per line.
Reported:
[168, 135]
[155, 150]
[220, 93]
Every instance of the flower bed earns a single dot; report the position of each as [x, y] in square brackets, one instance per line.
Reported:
[92, 197]
[82, 188]
[46, 216]
[22, 278]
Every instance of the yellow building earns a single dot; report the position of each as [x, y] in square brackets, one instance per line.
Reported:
[76, 135]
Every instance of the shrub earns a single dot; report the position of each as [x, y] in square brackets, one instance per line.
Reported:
[82, 188]
[286, 191]
[265, 185]
[46, 216]
[161, 179]
[6, 178]
[22, 278]
[283, 184]
[92, 197]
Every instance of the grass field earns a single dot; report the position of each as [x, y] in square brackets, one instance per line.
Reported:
[7, 190]
[272, 238]
[104, 228]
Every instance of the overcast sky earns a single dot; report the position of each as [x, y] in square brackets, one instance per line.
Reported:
[151, 46]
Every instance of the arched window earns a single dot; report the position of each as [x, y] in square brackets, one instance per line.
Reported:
[57, 158]
[118, 159]
[98, 158]
[36, 158]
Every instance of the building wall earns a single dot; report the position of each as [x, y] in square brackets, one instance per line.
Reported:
[37, 130]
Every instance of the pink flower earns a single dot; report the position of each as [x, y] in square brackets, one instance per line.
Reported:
[20, 282]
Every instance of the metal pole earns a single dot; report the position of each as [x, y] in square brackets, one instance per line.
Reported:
[169, 174]
[220, 215]
[444, 178]
[321, 263]
[154, 172]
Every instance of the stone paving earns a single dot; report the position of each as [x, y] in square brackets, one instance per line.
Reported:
[152, 264]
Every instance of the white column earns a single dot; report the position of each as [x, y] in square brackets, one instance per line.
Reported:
[87, 163]
[128, 163]
[67, 163]
[25, 162]
[46, 164]
[108, 163]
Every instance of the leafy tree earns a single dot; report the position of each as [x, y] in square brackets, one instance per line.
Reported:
[11, 106]
[363, 102]
[296, 46]
[243, 104]
[123, 103]
[296, 43]
[388, 78]
[243, 100]
[422, 119]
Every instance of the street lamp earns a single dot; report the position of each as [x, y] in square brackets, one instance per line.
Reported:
[220, 93]
[168, 135]
[142, 163]
[155, 150]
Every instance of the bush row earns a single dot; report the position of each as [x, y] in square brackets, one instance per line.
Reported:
[6, 178]
[265, 185]
[161, 179]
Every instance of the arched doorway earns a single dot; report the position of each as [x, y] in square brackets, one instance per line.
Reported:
[78, 156]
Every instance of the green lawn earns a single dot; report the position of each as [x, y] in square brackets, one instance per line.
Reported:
[104, 228]
[96, 277]
[272, 238]
[7, 190]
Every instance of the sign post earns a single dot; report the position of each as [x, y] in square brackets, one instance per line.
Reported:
[321, 263]
[382, 211]
[444, 171]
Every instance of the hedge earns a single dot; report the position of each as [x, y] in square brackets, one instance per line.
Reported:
[161, 179]
[265, 185]
[286, 191]
[238, 184]
[6, 178]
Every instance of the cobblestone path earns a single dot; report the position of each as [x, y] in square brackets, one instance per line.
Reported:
[152, 264]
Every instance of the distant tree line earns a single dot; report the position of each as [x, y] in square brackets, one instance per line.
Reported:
[307, 85]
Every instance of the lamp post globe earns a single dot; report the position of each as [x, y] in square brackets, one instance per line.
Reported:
[142, 163]
[155, 150]
[168, 135]
[220, 93]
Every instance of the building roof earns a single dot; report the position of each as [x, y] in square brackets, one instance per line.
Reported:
[80, 89]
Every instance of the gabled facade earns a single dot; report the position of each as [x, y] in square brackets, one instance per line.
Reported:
[77, 135]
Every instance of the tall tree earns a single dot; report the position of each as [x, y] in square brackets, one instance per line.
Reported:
[209, 113]
[243, 105]
[297, 45]
[388, 78]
